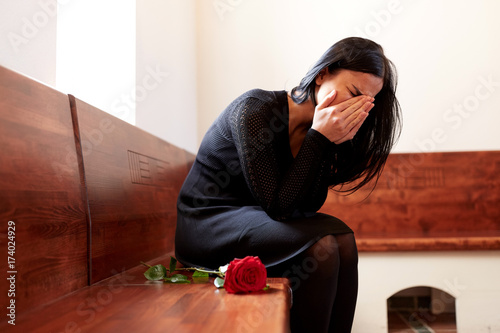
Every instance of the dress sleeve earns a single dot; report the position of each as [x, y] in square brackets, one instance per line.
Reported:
[279, 192]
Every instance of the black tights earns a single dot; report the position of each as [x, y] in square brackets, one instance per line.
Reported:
[324, 282]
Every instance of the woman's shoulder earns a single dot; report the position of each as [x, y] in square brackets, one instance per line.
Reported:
[257, 100]
[256, 106]
[267, 96]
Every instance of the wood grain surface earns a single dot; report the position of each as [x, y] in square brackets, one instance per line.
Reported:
[132, 180]
[41, 192]
[427, 201]
[127, 302]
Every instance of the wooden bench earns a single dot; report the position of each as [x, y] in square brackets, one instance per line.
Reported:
[446, 201]
[90, 197]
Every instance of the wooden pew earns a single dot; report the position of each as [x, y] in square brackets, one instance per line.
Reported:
[91, 196]
[427, 202]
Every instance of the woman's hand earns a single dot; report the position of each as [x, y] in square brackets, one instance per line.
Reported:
[340, 122]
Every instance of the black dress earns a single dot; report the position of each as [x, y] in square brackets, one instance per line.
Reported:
[247, 195]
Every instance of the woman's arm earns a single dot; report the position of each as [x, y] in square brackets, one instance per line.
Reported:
[279, 192]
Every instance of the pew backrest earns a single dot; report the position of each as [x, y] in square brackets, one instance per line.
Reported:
[43, 213]
[132, 181]
[427, 201]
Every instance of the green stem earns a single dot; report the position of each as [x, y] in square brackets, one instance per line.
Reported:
[205, 271]
[201, 270]
[142, 262]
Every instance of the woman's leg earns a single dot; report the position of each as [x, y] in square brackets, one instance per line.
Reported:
[342, 313]
[317, 278]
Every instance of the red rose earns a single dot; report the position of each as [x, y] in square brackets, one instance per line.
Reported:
[245, 275]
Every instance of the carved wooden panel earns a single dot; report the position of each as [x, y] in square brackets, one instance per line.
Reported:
[133, 179]
[41, 193]
[451, 194]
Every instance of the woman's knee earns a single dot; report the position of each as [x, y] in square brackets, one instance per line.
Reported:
[325, 249]
[348, 250]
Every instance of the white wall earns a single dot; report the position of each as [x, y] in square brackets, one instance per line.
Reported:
[28, 38]
[96, 54]
[446, 53]
[166, 47]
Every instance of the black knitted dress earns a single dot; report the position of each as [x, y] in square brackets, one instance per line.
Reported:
[247, 195]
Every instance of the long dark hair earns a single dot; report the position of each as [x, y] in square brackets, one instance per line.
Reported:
[361, 159]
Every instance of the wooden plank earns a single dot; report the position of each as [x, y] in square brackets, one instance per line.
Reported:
[127, 302]
[429, 244]
[41, 192]
[133, 179]
[450, 195]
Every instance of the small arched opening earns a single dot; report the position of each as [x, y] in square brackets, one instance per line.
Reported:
[421, 309]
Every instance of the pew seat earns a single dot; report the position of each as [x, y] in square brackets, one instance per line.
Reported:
[127, 302]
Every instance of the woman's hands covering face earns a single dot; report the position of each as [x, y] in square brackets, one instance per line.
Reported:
[340, 122]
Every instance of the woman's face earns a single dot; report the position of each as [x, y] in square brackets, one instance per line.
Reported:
[347, 83]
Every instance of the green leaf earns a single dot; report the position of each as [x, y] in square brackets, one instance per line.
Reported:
[155, 273]
[173, 264]
[177, 278]
[218, 282]
[200, 274]
[200, 280]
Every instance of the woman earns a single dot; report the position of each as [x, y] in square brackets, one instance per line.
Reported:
[264, 169]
